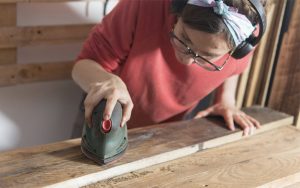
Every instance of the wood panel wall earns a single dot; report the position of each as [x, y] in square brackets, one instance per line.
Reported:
[254, 83]
[285, 91]
[13, 36]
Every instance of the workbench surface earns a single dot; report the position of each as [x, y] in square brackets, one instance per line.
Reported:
[270, 159]
[63, 164]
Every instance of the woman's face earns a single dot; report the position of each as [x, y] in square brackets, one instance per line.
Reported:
[210, 46]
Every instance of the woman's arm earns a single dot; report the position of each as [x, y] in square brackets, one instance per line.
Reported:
[226, 92]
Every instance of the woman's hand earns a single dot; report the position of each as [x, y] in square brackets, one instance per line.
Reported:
[231, 114]
[113, 90]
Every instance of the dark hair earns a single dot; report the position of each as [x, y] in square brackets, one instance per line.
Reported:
[204, 19]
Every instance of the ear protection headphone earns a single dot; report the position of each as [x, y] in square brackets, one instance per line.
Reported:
[248, 45]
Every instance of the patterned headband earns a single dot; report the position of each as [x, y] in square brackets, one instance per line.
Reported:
[238, 24]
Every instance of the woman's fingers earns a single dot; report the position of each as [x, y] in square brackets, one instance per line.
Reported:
[109, 107]
[89, 104]
[247, 126]
[243, 124]
[204, 113]
[249, 123]
[254, 121]
[231, 115]
[127, 108]
[228, 117]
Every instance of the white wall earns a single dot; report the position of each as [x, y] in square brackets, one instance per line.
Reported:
[39, 113]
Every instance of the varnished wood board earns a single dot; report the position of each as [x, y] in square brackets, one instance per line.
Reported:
[268, 160]
[63, 162]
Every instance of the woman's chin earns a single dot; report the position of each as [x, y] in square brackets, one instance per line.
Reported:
[182, 61]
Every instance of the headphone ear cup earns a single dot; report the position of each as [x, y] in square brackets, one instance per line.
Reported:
[242, 50]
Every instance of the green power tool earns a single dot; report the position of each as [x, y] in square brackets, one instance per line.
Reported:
[106, 140]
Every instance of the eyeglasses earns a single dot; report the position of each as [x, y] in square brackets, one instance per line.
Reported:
[199, 60]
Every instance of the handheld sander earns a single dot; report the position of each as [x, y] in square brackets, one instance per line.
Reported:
[106, 140]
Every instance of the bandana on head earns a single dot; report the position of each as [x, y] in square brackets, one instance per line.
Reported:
[238, 24]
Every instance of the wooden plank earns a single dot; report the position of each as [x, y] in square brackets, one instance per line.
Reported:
[50, 164]
[266, 160]
[242, 85]
[27, 73]
[8, 15]
[259, 58]
[285, 90]
[270, 53]
[19, 36]
[8, 56]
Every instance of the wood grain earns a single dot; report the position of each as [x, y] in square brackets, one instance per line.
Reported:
[266, 160]
[8, 56]
[285, 91]
[27, 73]
[8, 15]
[20, 36]
[54, 163]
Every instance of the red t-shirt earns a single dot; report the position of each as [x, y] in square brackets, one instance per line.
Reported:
[133, 42]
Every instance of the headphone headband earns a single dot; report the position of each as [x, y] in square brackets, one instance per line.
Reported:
[262, 21]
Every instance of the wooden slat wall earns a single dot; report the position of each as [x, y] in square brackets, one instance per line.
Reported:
[263, 59]
[8, 19]
[20, 36]
[8, 15]
[12, 37]
[27, 73]
[268, 61]
[8, 56]
[285, 91]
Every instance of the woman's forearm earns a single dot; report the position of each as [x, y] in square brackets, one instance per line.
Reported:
[226, 92]
[85, 72]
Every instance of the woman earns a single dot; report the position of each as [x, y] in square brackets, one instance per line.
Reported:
[164, 62]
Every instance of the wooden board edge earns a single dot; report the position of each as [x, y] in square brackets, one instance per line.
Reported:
[238, 135]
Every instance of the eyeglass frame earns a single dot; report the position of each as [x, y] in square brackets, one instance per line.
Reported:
[195, 55]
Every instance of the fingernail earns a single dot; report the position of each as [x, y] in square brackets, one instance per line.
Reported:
[106, 117]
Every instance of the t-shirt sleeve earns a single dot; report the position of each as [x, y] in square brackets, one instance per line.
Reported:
[109, 42]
